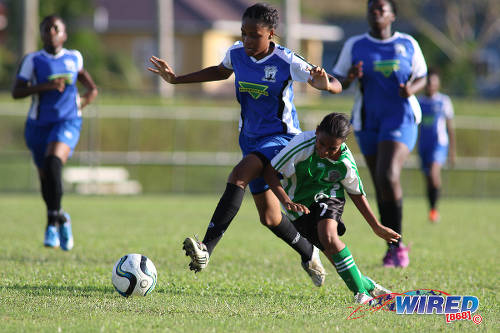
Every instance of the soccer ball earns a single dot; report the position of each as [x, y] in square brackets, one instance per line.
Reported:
[134, 275]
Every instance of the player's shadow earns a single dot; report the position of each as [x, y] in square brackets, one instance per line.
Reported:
[53, 290]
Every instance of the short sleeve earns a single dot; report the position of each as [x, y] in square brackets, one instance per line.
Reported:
[79, 60]
[26, 70]
[300, 69]
[352, 182]
[226, 62]
[344, 61]
[448, 107]
[419, 67]
[298, 149]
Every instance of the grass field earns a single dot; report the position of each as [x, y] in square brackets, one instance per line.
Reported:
[254, 282]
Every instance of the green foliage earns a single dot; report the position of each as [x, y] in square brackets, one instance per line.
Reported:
[254, 282]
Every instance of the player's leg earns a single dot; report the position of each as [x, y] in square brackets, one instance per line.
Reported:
[271, 216]
[62, 140]
[227, 208]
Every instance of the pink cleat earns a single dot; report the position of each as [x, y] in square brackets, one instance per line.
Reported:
[400, 256]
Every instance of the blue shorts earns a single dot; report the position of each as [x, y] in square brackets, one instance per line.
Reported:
[432, 154]
[369, 139]
[268, 147]
[38, 137]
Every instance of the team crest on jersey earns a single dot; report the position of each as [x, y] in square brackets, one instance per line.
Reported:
[400, 49]
[386, 67]
[255, 90]
[270, 73]
[70, 65]
[333, 176]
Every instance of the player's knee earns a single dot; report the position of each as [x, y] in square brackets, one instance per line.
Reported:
[269, 220]
[388, 177]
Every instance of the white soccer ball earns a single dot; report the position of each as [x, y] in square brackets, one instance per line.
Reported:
[134, 275]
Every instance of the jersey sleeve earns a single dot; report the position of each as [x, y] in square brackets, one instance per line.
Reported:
[296, 150]
[226, 62]
[299, 69]
[419, 67]
[79, 60]
[448, 107]
[352, 182]
[344, 61]
[26, 70]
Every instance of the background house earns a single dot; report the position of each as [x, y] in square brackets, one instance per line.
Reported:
[204, 30]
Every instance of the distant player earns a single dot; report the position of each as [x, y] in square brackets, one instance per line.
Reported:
[264, 76]
[54, 119]
[436, 138]
[388, 68]
[316, 168]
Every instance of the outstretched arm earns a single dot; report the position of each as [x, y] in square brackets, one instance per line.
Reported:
[213, 73]
[272, 179]
[364, 208]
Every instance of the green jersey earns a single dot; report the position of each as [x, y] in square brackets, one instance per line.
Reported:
[305, 174]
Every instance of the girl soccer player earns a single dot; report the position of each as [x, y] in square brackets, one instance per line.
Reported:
[54, 119]
[436, 139]
[389, 68]
[264, 74]
[316, 168]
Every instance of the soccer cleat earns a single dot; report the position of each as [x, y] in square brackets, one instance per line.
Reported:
[362, 298]
[378, 290]
[400, 256]
[315, 269]
[51, 237]
[388, 260]
[65, 232]
[434, 216]
[198, 253]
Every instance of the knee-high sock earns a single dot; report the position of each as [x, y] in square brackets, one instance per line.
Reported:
[433, 196]
[52, 185]
[227, 208]
[391, 215]
[287, 232]
[349, 272]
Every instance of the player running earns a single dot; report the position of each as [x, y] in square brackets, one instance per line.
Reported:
[316, 167]
[54, 119]
[436, 139]
[264, 75]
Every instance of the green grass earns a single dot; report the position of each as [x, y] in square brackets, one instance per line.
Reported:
[254, 282]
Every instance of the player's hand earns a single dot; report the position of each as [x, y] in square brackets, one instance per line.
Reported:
[58, 84]
[355, 72]
[386, 233]
[404, 90]
[319, 78]
[162, 68]
[296, 207]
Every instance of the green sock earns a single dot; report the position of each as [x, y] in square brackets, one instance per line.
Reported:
[367, 282]
[349, 272]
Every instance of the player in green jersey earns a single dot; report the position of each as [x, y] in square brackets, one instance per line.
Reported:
[316, 167]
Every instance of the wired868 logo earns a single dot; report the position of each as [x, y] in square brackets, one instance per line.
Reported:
[424, 301]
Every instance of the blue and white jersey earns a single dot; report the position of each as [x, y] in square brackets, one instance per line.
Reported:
[264, 89]
[386, 64]
[436, 109]
[41, 67]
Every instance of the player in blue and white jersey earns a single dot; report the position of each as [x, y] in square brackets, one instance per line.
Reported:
[264, 75]
[54, 119]
[436, 140]
[389, 69]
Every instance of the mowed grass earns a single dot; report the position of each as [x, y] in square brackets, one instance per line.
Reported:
[254, 282]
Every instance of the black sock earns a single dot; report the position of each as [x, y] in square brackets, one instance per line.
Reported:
[52, 188]
[391, 215]
[226, 210]
[287, 232]
[44, 189]
[433, 196]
